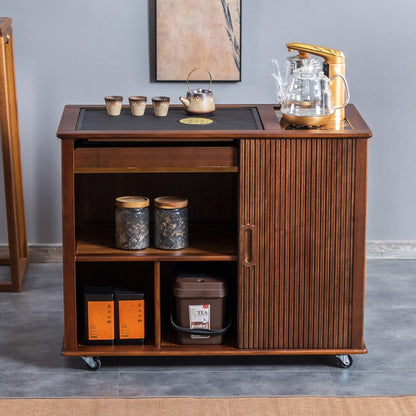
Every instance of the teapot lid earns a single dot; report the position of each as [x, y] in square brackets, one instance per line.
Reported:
[201, 91]
[312, 64]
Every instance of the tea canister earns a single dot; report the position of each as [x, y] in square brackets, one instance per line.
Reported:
[171, 222]
[132, 222]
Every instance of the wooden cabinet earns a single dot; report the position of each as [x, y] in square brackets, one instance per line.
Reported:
[283, 210]
[302, 230]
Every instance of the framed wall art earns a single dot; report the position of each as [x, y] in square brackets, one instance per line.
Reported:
[198, 33]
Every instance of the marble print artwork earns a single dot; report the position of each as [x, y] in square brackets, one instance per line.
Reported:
[198, 33]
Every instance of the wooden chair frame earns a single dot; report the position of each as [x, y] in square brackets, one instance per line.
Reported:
[12, 163]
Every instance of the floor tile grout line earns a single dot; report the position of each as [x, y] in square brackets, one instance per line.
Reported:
[332, 381]
[280, 372]
[243, 370]
[118, 382]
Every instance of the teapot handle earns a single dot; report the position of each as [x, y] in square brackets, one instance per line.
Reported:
[347, 91]
[210, 78]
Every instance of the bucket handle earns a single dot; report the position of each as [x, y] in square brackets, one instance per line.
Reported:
[199, 331]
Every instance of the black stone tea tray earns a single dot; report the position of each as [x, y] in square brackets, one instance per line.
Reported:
[222, 119]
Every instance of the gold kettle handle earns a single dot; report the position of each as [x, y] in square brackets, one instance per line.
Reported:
[347, 91]
[210, 78]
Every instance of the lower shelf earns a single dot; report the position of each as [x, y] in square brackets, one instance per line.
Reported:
[196, 350]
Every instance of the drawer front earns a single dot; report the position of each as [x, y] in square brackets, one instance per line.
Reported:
[156, 159]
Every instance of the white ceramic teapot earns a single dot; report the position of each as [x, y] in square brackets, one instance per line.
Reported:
[199, 101]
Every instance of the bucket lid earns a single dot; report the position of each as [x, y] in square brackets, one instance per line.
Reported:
[132, 201]
[170, 202]
[200, 287]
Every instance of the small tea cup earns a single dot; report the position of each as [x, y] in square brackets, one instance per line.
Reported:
[137, 105]
[161, 106]
[113, 104]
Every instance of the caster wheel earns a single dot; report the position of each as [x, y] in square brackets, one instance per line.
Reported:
[344, 361]
[93, 363]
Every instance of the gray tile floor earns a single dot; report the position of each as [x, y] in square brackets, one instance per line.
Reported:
[31, 333]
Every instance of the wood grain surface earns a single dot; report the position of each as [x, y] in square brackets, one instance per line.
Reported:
[304, 201]
[18, 258]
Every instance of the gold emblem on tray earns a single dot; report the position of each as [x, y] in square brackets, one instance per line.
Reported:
[195, 120]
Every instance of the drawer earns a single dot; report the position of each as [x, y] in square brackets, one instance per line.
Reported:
[156, 159]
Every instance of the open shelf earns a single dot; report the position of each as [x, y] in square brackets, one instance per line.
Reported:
[208, 242]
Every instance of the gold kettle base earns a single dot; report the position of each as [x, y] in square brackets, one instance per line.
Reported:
[307, 121]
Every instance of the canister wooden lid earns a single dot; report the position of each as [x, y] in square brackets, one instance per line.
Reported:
[132, 201]
[170, 202]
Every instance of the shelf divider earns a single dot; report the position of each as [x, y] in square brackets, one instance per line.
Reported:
[157, 316]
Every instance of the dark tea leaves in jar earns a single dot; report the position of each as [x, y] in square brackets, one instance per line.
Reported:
[171, 223]
[132, 223]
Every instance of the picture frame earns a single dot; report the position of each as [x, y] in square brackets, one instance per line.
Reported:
[203, 34]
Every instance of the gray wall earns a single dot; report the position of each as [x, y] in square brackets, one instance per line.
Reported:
[77, 51]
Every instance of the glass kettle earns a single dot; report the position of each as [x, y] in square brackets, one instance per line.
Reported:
[308, 98]
[291, 64]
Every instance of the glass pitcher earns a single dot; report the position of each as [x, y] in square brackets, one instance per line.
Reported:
[308, 100]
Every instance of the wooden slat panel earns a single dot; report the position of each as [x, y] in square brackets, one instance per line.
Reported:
[326, 184]
[303, 276]
[291, 210]
[68, 243]
[360, 198]
[272, 232]
[299, 198]
[280, 222]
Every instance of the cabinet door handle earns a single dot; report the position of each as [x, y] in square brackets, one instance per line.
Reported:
[248, 245]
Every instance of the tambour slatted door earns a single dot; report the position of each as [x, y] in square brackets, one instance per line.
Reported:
[302, 243]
